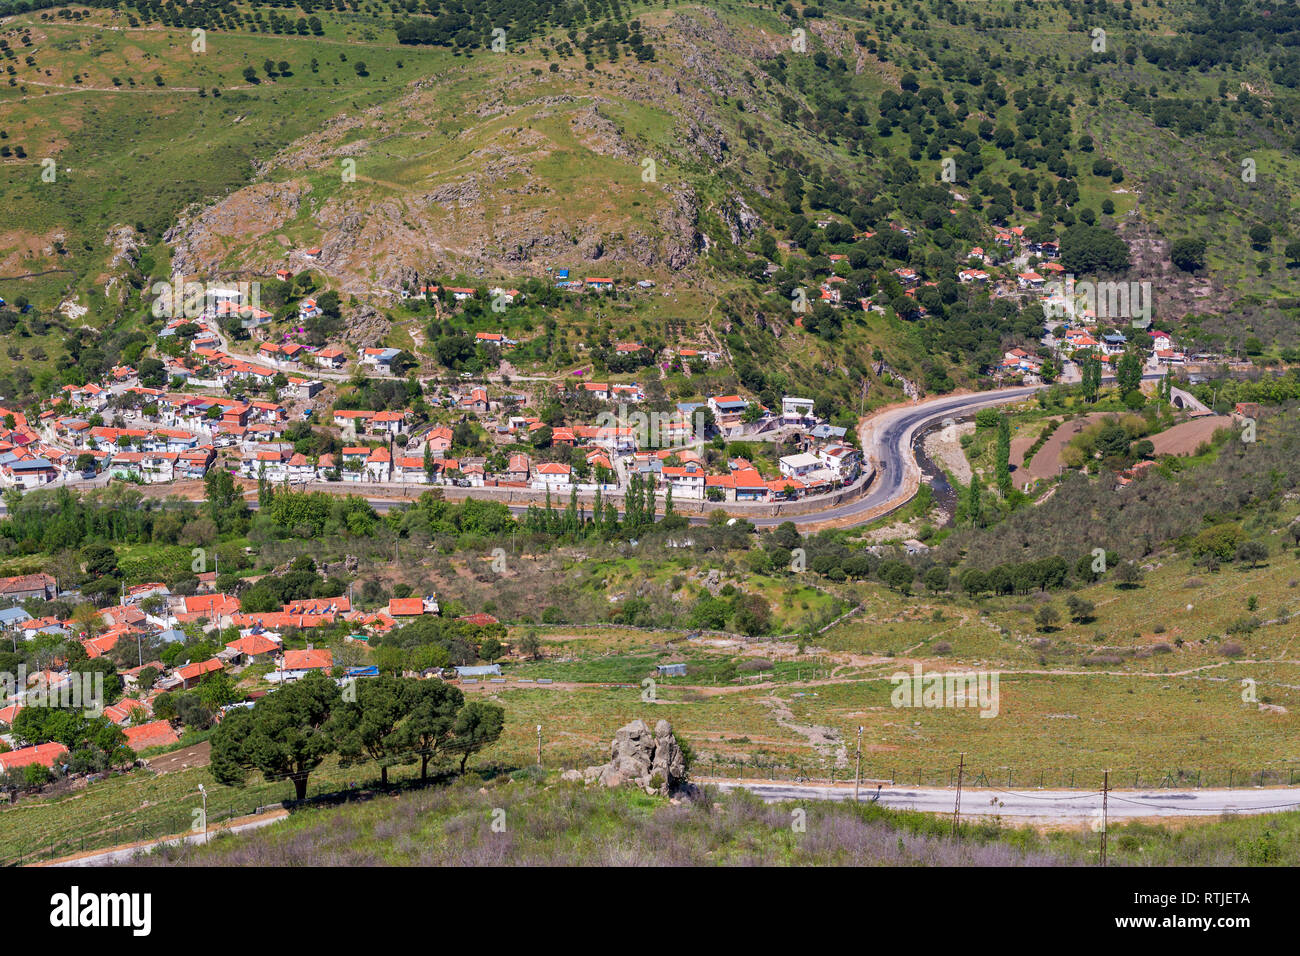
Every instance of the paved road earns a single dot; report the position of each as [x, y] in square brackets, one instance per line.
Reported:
[1063, 805]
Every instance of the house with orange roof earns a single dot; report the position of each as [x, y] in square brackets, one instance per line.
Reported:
[552, 474]
[331, 357]
[299, 663]
[251, 646]
[120, 713]
[750, 485]
[686, 480]
[44, 754]
[217, 608]
[190, 674]
[405, 607]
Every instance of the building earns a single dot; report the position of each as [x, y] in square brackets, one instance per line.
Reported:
[26, 586]
[727, 410]
[191, 674]
[299, 663]
[796, 466]
[796, 411]
[44, 754]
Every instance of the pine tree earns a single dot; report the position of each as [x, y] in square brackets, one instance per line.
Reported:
[1004, 455]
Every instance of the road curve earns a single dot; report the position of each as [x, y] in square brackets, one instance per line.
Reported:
[1062, 805]
[887, 444]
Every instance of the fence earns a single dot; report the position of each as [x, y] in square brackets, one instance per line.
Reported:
[172, 824]
[162, 824]
[1003, 778]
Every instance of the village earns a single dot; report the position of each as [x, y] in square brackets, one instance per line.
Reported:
[151, 616]
[211, 408]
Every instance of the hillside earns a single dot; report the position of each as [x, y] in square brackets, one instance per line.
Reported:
[733, 155]
[528, 819]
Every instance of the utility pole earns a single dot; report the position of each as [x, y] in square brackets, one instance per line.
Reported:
[204, 791]
[1105, 789]
[539, 745]
[857, 775]
[956, 810]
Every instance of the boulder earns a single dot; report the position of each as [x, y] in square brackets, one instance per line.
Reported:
[652, 761]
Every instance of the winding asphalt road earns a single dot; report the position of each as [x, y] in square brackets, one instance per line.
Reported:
[1058, 805]
[887, 442]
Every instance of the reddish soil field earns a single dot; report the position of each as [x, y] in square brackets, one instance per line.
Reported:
[1184, 439]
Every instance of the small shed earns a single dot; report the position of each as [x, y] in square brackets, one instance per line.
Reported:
[672, 670]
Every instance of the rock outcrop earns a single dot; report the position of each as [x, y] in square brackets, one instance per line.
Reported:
[652, 761]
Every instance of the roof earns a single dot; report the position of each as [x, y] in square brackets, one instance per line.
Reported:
[254, 644]
[300, 660]
[211, 604]
[43, 754]
[26, 582]
[199, 668]
[405, 607]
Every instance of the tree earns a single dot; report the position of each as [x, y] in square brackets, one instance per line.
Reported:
[225, 499]
[973, 506]
[217, 690]
[530, 645]
[1252, 553]
[752, 614]
[1128, 372]
[284, 735]
[1047, 617]
[1086, 250]
[1081, 611]
[1127, 574]
[1090, 374]
[1188, 254]
[428, 730]
[1004, 455]
[1260, 236]
[477, 725]
[367, 728]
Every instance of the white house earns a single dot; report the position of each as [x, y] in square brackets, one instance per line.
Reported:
[796, 466]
